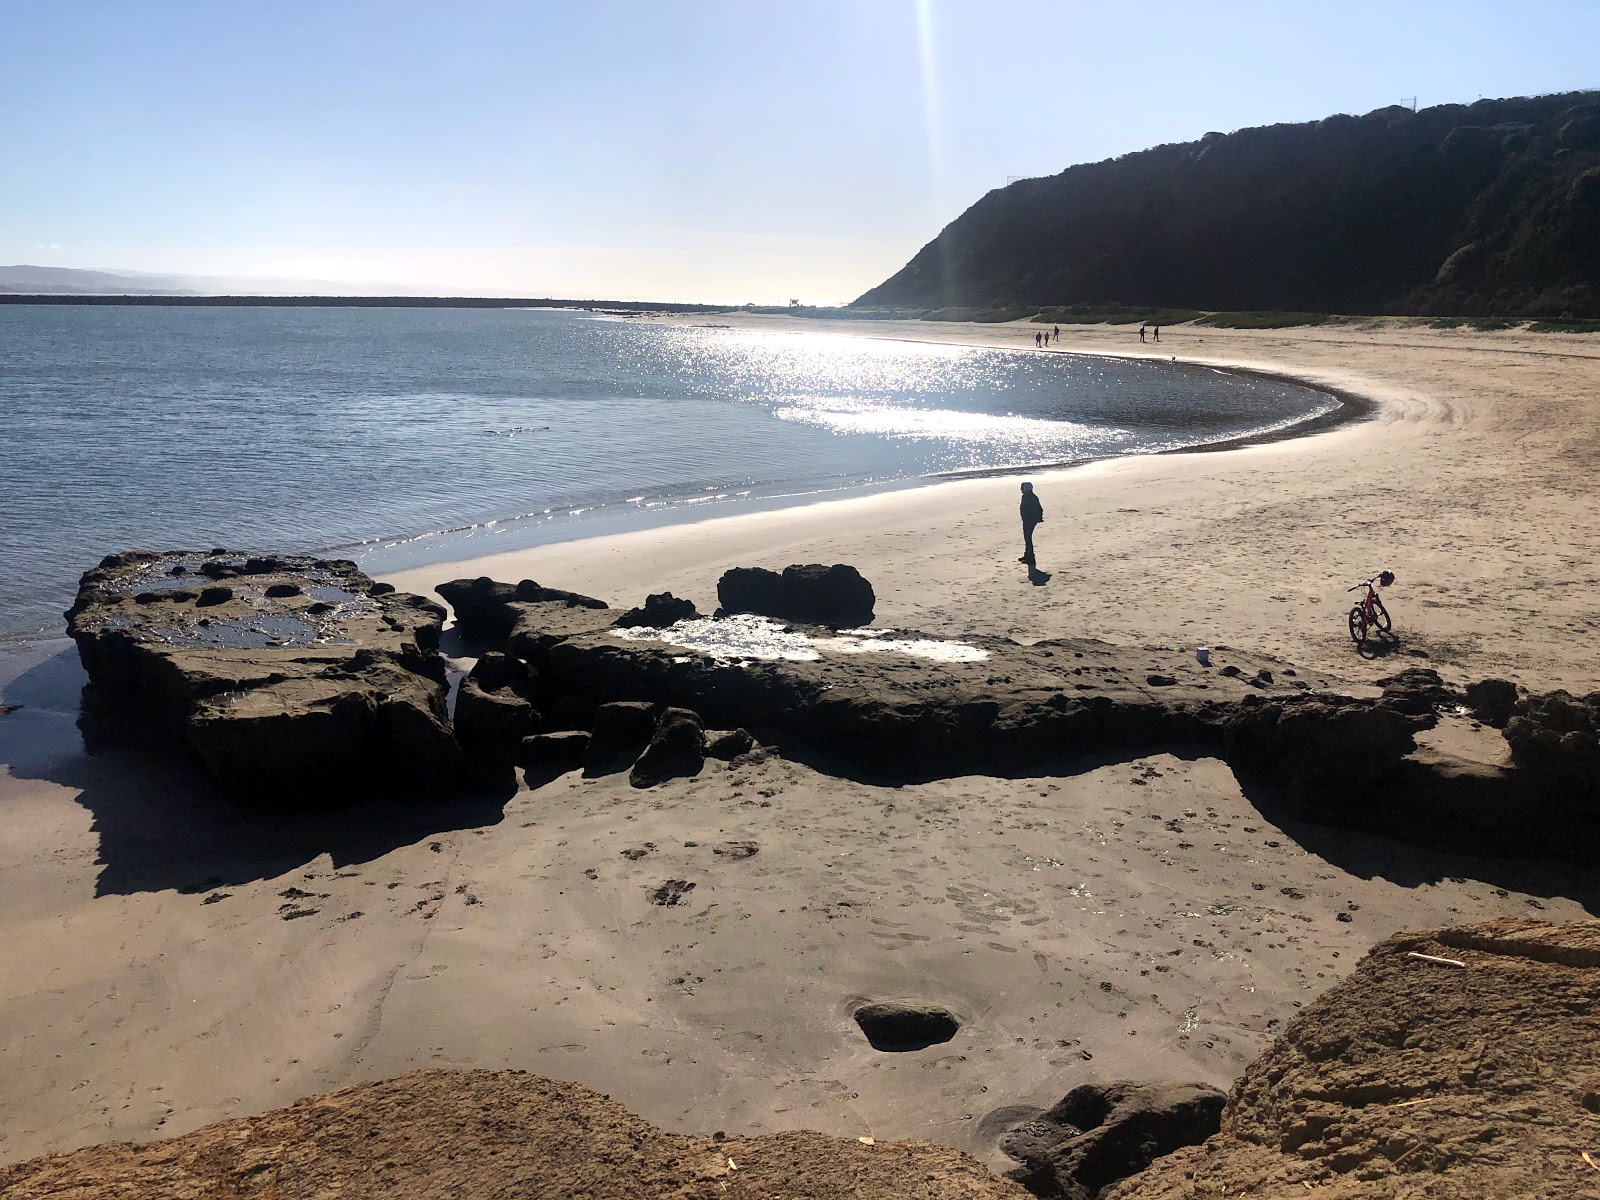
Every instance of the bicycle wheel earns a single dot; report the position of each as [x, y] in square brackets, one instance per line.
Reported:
[1380, 616]
[1358, 625]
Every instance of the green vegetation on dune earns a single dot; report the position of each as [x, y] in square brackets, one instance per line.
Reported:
[1488, 210]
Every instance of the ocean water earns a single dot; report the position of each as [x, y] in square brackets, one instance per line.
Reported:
[398, 436]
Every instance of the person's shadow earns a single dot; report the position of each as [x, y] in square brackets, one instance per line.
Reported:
[1037, 577]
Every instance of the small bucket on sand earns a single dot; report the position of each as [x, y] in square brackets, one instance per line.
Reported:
[1202, 655]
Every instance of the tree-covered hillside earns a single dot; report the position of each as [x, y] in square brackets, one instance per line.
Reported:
[1486, 209]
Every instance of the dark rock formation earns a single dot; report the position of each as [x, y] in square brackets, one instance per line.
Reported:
[546, 752]
[479, 1134]
[676, 750]
[622, 729]
[1418, 1078]
[538, 625]
[814, 594]
[658, 611]
[1555, 738]
[481, 605]
[1098, 1134]
[488, 609]
[298, 697]
[729, 743]
[529, 592]
[494, 708]
[1492, 701]
[1419, 691]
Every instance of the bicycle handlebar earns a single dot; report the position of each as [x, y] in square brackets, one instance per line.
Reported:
[1367, 584]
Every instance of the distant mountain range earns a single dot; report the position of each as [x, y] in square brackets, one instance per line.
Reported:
[70, 281]
[1489, 209]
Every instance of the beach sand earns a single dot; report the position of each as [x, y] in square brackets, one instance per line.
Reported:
[166, 961]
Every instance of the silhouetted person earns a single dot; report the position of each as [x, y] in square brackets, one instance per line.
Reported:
[1036, 341]
[1158, 333]
[1032, 514]
[1058, 333]
[1141, 333]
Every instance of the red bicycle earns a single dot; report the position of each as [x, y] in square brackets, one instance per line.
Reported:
[1370, 613]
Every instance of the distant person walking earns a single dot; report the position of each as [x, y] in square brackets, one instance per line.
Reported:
[1036, 338]
[1141, 333]
[1158, 333]
[1032, 514]
[1058, 333]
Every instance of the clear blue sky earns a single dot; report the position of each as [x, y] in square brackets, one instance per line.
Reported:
[672, 149]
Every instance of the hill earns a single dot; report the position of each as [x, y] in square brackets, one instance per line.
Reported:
[1489, 209]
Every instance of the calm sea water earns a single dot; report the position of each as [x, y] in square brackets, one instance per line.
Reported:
[399, 436]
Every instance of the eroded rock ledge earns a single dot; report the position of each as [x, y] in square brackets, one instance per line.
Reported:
[502, 1133]
[294, 678]
[895, 705]
[1420, 1078]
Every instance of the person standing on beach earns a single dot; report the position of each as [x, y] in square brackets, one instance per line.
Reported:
[1058, 333]
[1141, 333]
[1032, 514]
[1036, 341]
[1158, 333]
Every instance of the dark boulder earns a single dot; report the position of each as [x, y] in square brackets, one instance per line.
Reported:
[751, 590]
[529, 592]
[482, 606]
[729, 743]
[621, 731]
[1492, 701]
[567, 712]
[820, 595]
[1555, 738]
[212, 596]
[494, 710]
[277, 590]
[677, 749]
[544, 753]
[658, 612]
[1100, 1133]
[1419, 692]
[814, 594]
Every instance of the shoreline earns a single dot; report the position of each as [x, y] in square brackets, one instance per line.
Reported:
[1437, 460]
[169, 960]
[524, 532]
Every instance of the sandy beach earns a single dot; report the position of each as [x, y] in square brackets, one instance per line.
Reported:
[166, 961]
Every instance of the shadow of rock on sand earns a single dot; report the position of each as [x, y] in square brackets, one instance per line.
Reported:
[161, 825]
[1362, 854]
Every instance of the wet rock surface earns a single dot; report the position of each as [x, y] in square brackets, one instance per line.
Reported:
[1099, 1133]
[1468, 1078]
[502, 1133]
[298, 696]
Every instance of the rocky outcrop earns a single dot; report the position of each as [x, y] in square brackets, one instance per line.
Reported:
[677, 749]
[1099, 1133]
[1555, 738]
[486, 609]
[495, 1133]
[813, 594]
[494, 708]
[620, 731]
[658, 611]
[1460, 1079]
[294, 696]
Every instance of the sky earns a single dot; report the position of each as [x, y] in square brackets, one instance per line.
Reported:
[726, 151]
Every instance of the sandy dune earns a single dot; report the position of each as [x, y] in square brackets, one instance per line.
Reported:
[165, 963]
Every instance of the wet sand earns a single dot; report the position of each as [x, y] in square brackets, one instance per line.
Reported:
[166, 962]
